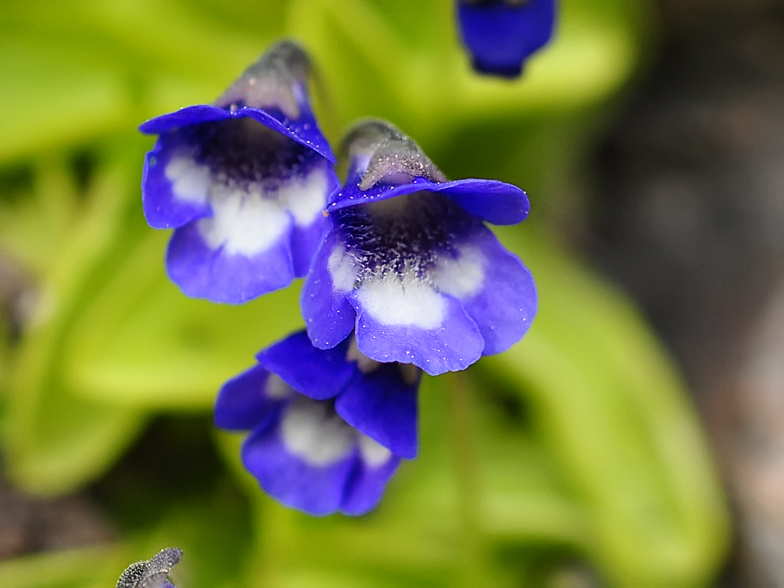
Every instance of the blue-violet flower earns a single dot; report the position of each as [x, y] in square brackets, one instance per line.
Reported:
[328, 427]
[502, 34]
[409, 265]
[243, 182]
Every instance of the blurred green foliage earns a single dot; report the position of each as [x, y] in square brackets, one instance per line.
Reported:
[577, 449]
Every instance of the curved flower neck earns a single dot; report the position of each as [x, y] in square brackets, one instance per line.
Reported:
[381, 153]
[277, 80]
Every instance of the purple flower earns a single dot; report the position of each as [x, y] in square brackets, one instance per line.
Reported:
[328, 427]
[502, 34]
[243, 182]
[408, 264]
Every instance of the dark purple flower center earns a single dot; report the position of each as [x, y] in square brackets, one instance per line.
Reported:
[240, 151]
[402, 234]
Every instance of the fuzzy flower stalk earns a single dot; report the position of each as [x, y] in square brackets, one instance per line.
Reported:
[151, 573]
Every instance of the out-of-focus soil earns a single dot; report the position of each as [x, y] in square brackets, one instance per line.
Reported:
[30, 524]
[691, 221]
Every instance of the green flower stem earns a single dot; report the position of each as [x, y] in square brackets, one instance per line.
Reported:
[56, 191]
[463, 442]
[275, 538]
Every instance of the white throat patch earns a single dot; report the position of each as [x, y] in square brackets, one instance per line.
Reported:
[311, 430]
[463, 277]
[373, 454]
[393, 300]
[247, 219]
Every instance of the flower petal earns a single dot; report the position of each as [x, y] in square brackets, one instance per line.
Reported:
[328, 315]
[409, 322]
[383, 406]
[490, 200]
[306, 203]
[185, 117]
[316, 373]
[373, 470]
[305, 242]
[305, 458]
[303, 130]
[501, 35]
[496, 289]
[496, 202]
[204, 266]
[174, 186]
[247, 400]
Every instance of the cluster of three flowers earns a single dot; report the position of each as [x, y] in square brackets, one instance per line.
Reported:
[401, 275]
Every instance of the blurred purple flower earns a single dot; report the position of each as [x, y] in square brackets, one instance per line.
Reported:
[410, 267]
[243, 182]
[328, 427]
[502, 34]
